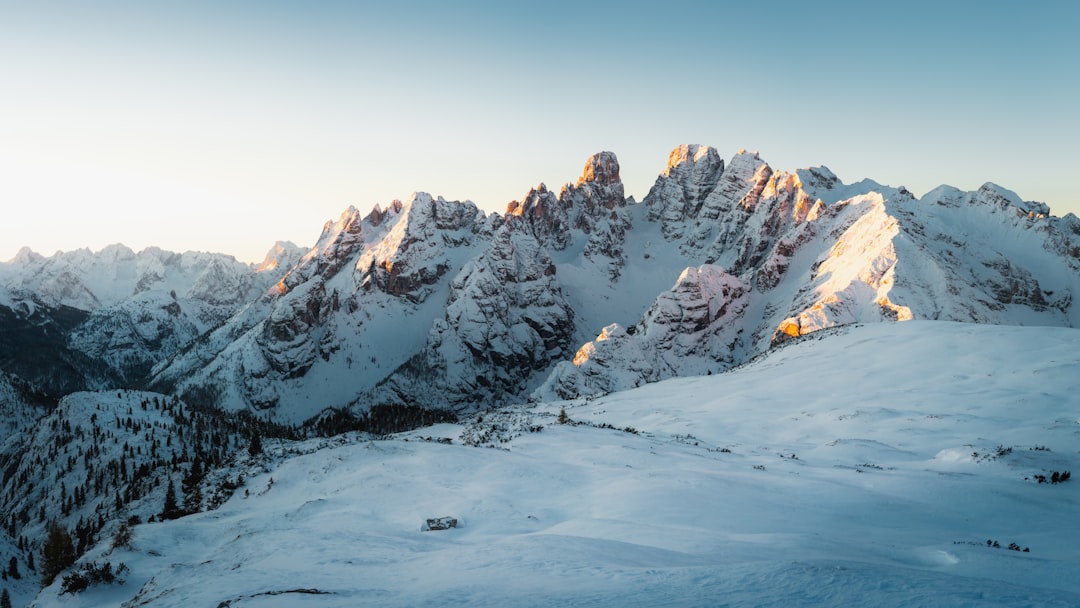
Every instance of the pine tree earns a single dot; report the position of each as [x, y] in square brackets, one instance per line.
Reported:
[58, 553]
[122, 537]
[563, 418]
[171, 510]
[5, 599]
[255, 447]
[191, 485]
[13, 569]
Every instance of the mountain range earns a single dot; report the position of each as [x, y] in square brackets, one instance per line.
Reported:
[575, 293]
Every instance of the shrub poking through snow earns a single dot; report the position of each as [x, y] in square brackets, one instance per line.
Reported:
[93, 574]
[993, 544]
[123, 536]
[1055, 477]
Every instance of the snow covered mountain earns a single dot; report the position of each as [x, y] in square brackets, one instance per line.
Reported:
[579, 292]
[114, 314]
[909, 478]
[432, 302]
[789, 254]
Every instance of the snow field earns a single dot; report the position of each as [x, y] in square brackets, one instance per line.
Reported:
[862, 469]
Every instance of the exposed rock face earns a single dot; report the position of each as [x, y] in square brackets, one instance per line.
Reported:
[597, 208]
[354, 308]
[691, 329]
[682, 189]
[505, 321]
[412, 256]
[336, 245]
[542, 215]
[602, 170]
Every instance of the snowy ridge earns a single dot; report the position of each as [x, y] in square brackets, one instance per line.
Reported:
[889, 485]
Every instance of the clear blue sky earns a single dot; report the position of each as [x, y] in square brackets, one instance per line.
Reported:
[225, 126]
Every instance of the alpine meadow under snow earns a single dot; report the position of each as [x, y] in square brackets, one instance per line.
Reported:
[753, 387]
[878, 466]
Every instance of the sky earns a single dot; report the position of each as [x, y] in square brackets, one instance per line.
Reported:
[227, 126]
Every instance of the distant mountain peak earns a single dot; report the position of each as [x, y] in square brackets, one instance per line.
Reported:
[282, 254]
[25, 256]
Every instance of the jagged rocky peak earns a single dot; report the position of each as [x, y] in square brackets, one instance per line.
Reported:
[536, 203]
[378, 215]
[601, 168]
[505, 320]
[688, 160]
[220, 283]
[988, 195]
[595, 206]
[690, 329]
[115, 253]
[423, 214]
[540, 214]
[790, 199]
[598, 190]
[337, 234]
[680, 191]
[413, 253]
[337, 243]
[993, 194]
[816, 181]
[599, 180]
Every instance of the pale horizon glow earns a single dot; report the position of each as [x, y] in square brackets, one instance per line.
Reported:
[228, 128]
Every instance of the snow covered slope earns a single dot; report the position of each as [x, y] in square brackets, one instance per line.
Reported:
[885, 465]
[97, 459]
